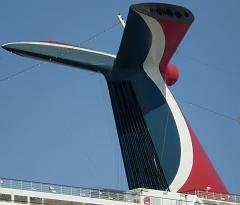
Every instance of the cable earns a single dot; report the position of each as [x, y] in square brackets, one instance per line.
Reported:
[177, 53]
[20, 72]
[210, 110]
[99, 33]
[200, 62]
[110, 129]
[237, 120]
[38, 64]
[165, 134]
[4, 56]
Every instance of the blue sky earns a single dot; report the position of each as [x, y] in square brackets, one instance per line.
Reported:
[56, 122]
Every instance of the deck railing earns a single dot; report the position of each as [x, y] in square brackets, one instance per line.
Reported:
[132, 197]
[69, 190]
[206, 194]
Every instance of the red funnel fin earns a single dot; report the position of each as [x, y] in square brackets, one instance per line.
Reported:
[203, 174]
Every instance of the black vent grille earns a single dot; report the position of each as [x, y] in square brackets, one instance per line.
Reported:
[141, 162]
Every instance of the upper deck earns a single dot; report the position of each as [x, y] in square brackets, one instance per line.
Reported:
[27, 192]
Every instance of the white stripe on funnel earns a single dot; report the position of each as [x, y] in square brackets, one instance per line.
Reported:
[151, 67]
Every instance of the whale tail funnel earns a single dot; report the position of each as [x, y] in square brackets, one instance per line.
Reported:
[160, 150]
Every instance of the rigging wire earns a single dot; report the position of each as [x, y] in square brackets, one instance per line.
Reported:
[165, 135]
[238, 120]
[94, 36]
[107, 120]
[220, 69]
[20, 72]
[4, 56]
[209, 110]
[203, 63]
[177, 53]
[38, 64]
[91, 38]
[111, 130]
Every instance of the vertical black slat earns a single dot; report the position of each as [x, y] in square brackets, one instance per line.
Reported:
[134, 134]
[136, 180]
[139, 138]
[151, 152]
[135, 137]
[150, 174]
[123, 138]
[128, 133]
[128, 154]
[146, 147]
[120, 128]
[137, 159]
[136, 145]
[160, 170]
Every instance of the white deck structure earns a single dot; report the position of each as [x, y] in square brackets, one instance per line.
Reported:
[19, 192]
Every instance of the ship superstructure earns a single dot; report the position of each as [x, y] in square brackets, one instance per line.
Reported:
[18, 192]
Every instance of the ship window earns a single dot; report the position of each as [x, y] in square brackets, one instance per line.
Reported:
[5, 197]
[21, 199]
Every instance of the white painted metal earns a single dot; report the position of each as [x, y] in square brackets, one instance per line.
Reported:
[121, 20]
[154, 197]
[151, 67]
